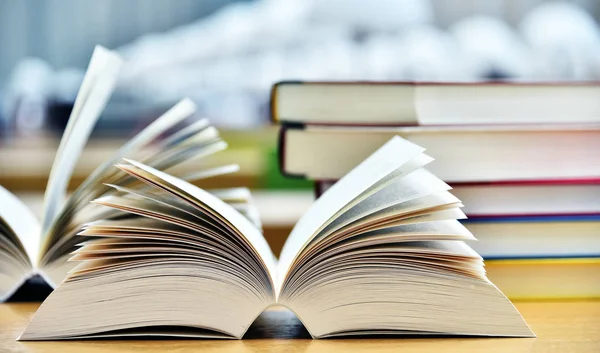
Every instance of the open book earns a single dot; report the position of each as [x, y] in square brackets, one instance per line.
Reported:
[381, 252]
[29, 247]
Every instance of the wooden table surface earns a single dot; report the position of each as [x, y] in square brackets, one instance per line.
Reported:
[560, 327]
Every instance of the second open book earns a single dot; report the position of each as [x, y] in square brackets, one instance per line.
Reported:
[380, 252]
[30, 248]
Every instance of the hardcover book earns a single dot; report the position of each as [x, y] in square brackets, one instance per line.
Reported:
[30, 248]
[463, 153]
[422, 103]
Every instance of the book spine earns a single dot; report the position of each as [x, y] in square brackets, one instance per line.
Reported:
[273, 104]
[322, 185]
[275, 118]
[281, 148]
[317, 189]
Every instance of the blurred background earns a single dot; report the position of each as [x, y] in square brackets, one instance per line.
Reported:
[225, 55]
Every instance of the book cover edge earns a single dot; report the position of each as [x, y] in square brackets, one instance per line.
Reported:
[281, 142]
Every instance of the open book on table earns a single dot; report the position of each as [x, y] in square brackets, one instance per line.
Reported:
[29, 247]
[381, 252]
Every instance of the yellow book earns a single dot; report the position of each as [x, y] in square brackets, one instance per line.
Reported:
[534, 279]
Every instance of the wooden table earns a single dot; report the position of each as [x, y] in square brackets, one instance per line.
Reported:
[560, 326]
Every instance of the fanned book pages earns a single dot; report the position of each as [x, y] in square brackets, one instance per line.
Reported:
[381, 252]
[30, 248]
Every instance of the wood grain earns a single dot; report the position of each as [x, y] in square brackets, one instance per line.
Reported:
[560, 326]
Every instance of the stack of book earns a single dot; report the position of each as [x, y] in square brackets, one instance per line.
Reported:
[523, 158]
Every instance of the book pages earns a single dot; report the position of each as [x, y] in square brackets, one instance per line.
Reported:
[382, 163]
[96, 89]
[23, 223]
